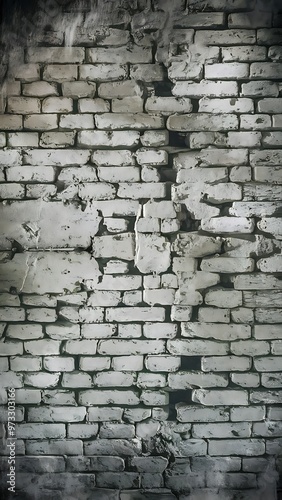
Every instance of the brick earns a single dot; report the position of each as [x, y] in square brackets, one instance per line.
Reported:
[41, 122]
[22, 139]
[103, 72]
[120, 246]
[93, 105]
[241, 174]
[228, 224]
[127, 363]
[270, 264]
[271, 71]
[42, 379]
[94, 364]
[245, 447]
[245, 20]
[162, 363]
[213, 315]
[246, 379]
[255, 122]
[60, 73]
[102, 36]
[270, 105]
[250, 347]
[77, 90]
[216, 464]
[114, 379]
[147, 72]
[132, 347]
[195, 347]
[105, 397]
[270, 332]
[244, 53]
[54, 157]
[27, 72]
[266, 157]
[149, 156]
[201, 20]
[226, 363]
[159, 330]
[41, 314]
[141, 190]
[81, 347]
[217, 331]
[57, 364]
[270, 36]
[56, 414]
[108, 139]
[202, 122]
[227, 265]
[227, 71]
[235, 105]
[57, 105]
[29, 396]
[154, 138]
[39, 89]
[112, 158]
[261, 88]
[57, 139]
[274, 53]
[12, 191]
[265, 397]
[206, 88]
[267, 364]
[118, 282]
[223, 298]
[40, 431]
[23, 105]
[132, 104]
[81, 431]
[131, 121]
[55, 54]
[182, 71]
[120, 55]
[221, 430]
[42, 347]
[24, 332]
[226, 37]
[271, 381]
[76, 379]
[54, 446]
[95, 191]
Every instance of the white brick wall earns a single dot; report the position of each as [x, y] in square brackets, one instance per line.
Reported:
[140, 296]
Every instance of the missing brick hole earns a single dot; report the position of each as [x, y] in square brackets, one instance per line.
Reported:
[181, 396]
[177, 139]
[163, 89]
[189, 363]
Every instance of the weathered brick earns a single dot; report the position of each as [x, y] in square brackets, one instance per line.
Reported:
[57, 105]
[55, 54]
[103, 72]
[268, 70]
[60, 73]
[131, 121]
[235, 105]
[23, 105]
[41, 122]
[120, 55]
[245, 447]
[21, 139]
[206, 88]
[226, 37]
[226, 363]
[227, 71]
[244, 53]
[202, 121]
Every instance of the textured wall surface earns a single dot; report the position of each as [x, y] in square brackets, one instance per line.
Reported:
[140, 242]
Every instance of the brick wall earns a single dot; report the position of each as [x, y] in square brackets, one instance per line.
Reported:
[141, 251]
